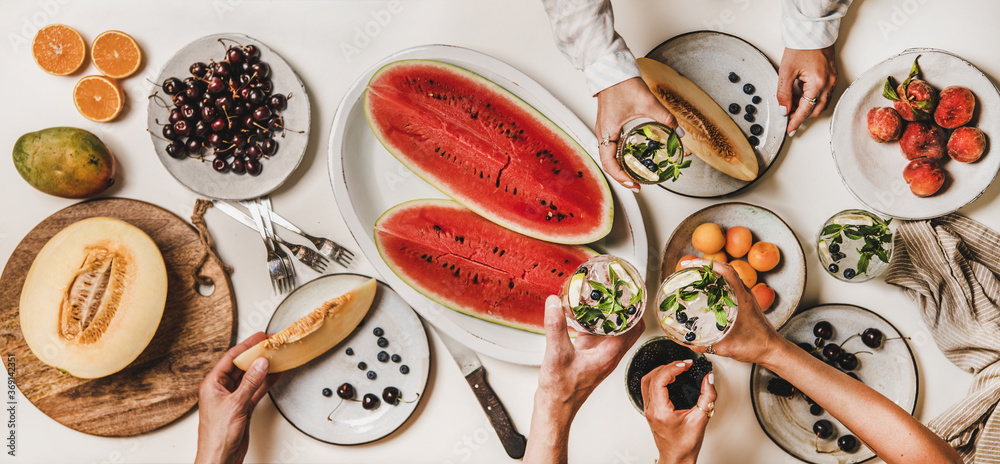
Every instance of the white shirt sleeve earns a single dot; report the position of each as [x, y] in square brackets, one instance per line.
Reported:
[584, 32]
[811, 24]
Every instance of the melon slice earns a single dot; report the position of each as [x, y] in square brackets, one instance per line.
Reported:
[459, 259]
[489, 150]
[711, 133]
[93, 297]
[313, 334]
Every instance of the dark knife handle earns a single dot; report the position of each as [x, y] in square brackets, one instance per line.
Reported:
[513, 442]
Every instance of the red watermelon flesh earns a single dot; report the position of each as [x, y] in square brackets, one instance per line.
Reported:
[467, 263]
[489, 150]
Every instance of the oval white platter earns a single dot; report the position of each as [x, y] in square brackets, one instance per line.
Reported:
[367, 181]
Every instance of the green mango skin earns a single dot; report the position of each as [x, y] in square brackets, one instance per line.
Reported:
[65, 161]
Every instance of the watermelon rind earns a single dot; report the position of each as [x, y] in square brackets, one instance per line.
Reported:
[503, 217]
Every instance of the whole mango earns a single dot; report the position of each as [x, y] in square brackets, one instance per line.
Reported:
[65, 162]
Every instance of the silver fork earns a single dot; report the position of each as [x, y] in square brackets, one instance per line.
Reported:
[305, 255]
[333, 250]
[275, 268]
[264, 203]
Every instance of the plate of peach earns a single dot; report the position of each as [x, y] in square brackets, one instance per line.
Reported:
[759, 245]
[911, 136]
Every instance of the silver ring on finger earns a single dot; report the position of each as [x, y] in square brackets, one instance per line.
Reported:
[710, 349]
[811, 101]
[606, 139]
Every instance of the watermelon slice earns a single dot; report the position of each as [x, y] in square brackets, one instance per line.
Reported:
[489, 150]
[459, 259]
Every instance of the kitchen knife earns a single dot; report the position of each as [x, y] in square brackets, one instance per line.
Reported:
[473, 371]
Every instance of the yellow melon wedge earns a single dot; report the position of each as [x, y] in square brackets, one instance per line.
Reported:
[711, 133]
[313, 334]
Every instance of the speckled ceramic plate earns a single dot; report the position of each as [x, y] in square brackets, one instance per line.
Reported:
[367, 181]
[299, 394]
[788, 279]
[199, 176]
[707, 58]
[890, 370]
[873, 171]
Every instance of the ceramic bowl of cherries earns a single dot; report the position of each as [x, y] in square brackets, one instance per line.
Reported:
[228, 109]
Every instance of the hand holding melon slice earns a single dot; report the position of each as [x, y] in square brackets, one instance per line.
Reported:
[313, 334]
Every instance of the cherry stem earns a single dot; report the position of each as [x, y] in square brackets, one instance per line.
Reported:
[160, 101]
[157, 136]
[848, 339]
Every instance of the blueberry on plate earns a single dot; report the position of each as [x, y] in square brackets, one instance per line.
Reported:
[815, 410]
[749, 89]
[750, 109]
[756, 100]
[734, 108]
[362, 365]
[749, 117]
[382, 342]
[378, 332]
[756, 129]
[754, 141]
[350, 351]
[327, 392]
[733, 77]
[371, 375]
[404, 369]
[383, 356]
[395, 358]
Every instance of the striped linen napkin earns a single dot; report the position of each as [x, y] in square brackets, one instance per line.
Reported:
[950, 267]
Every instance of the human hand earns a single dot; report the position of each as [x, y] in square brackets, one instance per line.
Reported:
[226, 399]
[677, 434]
[617, 105]
[752, 337]
[572, 370]
[818, 73]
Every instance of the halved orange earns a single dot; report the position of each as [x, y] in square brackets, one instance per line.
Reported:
[115, 54]
[98, 98]
[58, 49]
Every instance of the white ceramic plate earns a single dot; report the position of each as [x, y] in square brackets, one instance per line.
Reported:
[890, 370]
[199, 176]
[788, 279]
[299, 394]
[873, 171]
[367, 181]
[707, 58]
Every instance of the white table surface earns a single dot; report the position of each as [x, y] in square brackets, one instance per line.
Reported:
[327, 43]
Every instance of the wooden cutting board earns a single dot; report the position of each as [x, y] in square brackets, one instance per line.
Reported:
[161, 385]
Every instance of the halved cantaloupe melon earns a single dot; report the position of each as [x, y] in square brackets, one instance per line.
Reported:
[711, 133]
[93, 297]
[314, 333]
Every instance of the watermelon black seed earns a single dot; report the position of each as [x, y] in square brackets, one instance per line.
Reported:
[382, 342]
[560, 274]
[756, 129]
[437, 228]
[579, 174]
[734, 108]
[756, 99]
[542, 202]
[502, 252]
[734, 78]
[749, 89]
[511, 284]
[495, 249]
[404, 369]
[378, 332]
[395, 358]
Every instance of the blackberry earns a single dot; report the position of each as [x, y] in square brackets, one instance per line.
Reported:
[733, 77]
[684, 390]
[780, 387]
[734, 108]
[756, 129]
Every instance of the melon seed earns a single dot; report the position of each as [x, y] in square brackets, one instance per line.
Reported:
[93, 296]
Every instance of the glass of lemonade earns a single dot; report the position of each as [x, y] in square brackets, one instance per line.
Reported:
[855, 245]
[605, 296]
[696, 306]
[650, 152]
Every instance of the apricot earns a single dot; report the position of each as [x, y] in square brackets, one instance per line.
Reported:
[764, 295]
[746, 272]
[708, 238]
[719, 257]
[763, 256]
[738, 241]
[922, 140]
[681, 261]
[966, 144]
[955, 107]
[925, 178]
[884, 124]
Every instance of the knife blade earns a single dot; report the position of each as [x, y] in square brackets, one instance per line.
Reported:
[472, 369]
